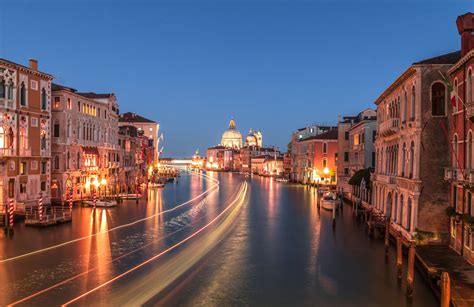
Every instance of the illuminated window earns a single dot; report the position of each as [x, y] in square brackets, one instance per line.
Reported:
[56, 102]
[23, 168]
[69, 104]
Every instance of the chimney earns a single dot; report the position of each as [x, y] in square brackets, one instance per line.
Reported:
[33, 64]
[465, 24]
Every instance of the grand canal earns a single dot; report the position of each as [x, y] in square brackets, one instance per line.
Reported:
[217, 240]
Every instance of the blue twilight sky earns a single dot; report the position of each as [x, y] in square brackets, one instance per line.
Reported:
[192, 64]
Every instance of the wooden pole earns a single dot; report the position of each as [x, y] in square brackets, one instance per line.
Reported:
[411, 268]
[387, 236]
[399, 256]
[334, 214]
[445, 290]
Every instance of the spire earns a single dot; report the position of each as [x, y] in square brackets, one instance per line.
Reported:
[232, 124]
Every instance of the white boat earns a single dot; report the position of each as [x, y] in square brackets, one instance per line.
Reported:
[156, 185]
[329, 200]
[129, 195]
[282, 180]
[103, 203]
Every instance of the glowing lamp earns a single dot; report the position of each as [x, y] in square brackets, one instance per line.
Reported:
[326, 170]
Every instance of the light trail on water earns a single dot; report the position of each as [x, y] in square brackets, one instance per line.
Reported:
[239, 201]
[211, 189]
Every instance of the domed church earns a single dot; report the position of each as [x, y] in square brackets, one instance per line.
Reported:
[231, 138]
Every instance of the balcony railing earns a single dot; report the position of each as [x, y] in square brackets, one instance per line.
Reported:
[456, 174]
[7, 103]
[388, 179]
[389, 127]
[5, 152]
[25, 152]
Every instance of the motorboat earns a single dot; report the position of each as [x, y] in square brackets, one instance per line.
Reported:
[102, 203]
[329, 201]
[282, 180]
[156, 185]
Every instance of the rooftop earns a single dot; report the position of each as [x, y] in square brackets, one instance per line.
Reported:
[329, 135]
[449, 58]
[95, 95]
[58, 87]
[131, 117]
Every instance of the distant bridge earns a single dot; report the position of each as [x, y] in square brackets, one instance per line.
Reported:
[177, 161]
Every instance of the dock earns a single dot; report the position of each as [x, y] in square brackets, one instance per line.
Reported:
[51, 216]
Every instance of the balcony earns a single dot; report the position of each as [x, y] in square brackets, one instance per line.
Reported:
[7, 103]
[387, 179]
[456, 174]
[389, 127]
[6, 152]
[25, 152]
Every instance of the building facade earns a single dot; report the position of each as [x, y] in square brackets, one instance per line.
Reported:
[25, 123]
[362, 150]
[150, 130]
[85, 143]
[411, 150]
[461, 173]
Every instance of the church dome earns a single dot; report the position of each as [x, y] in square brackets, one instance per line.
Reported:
[231, 137]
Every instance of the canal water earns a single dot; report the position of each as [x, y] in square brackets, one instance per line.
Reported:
[245, 242]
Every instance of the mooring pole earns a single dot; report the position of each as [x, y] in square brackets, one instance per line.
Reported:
[399, 256]
[445, 290]
[411, 268]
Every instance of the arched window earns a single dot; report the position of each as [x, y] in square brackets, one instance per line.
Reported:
[43, 141]
[438, 99]
[10, 138]
[469, 151]
[23, 139]
[2, 89]
[412, 158]
[68, 158]
[408, 226]
[325, 148]
[405, 106]
[455, 150]
[3, 137]
[413, 101]
[43, 99]
[56, 162]
[400, 213]
[23, 94]
[455, 107]
[404, 159]
[469, 86]
[395, 210]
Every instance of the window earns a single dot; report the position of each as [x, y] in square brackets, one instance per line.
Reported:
[325, 148]
[43, 141]
[3, 138]
[78, 161]
[23, 94]
[43, 167]
[56, 162]
[23, 168]
[23, 139]
[413, 101]
[373, 159]
[455, 107]
[56, 130]
[412, 158]
[34, 85]
[325, 163]
[22, 188]
[356, 139]
[78, 106]
[404, 150]
[34, 165]
[69, 104]
[405, 106]
[455, 197]
[469, 86]
[400, 215]
[44, 99]
[374, 135]
[56, 102]
[43, 186]
[346, 135]
[438, 99]
[346, 171]
[469, 151]
[455, 153]
[408, 226]
[2, 89]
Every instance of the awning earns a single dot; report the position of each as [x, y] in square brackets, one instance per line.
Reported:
[90, 150]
